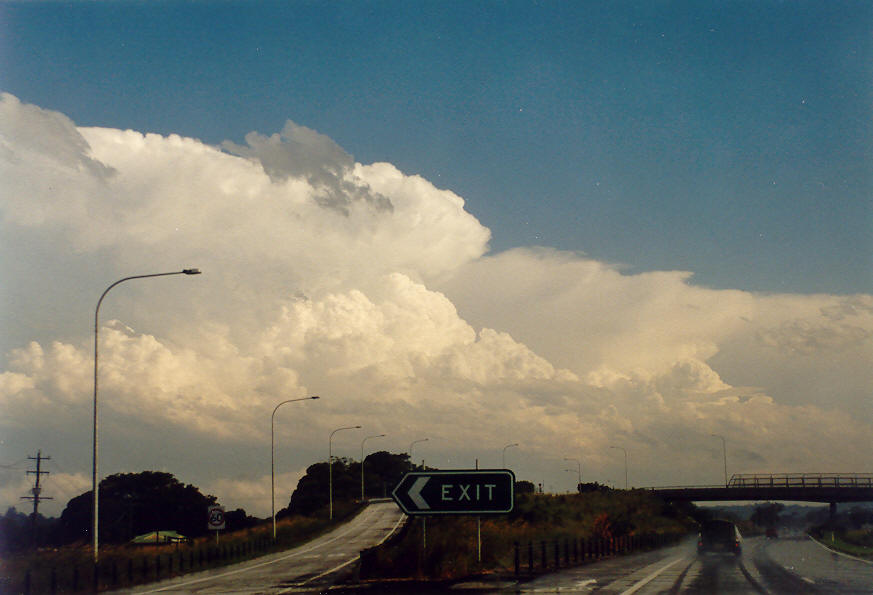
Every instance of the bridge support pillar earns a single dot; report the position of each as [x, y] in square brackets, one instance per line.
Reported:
[833, 510]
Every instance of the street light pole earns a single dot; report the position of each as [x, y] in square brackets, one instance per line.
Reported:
[94, 460]
[273, 456]
[362, 462]
[413, 443]
[724, 456]
[625, 463]
[503, 454]
[578, 470]
[330, 466]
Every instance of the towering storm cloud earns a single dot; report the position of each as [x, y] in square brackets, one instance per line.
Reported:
[376, 290]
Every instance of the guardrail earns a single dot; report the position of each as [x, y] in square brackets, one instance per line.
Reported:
[537, 557]
[785, 480]
[704, 487]
[802, 480]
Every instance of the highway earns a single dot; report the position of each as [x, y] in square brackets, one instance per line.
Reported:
[309, 566]
[777, 566]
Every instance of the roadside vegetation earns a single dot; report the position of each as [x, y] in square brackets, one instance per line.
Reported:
[849, 532]
[70, 568]
[855, 543]
[446, 548]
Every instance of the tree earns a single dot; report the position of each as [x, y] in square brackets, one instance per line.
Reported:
[382, 471]
[238, 519]
[524, 486]
[767, 515]
[136, 503]
[584, 488]
[14, 531]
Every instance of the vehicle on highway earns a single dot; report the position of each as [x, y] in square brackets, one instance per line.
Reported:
[719, 536]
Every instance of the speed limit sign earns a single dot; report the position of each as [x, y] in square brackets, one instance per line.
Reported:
[216, 518]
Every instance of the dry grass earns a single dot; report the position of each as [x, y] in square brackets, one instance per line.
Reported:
[452, 544]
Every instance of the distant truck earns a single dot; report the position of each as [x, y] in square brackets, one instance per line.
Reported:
[719, 536]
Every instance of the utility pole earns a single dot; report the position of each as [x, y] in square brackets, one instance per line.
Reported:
[36, 491]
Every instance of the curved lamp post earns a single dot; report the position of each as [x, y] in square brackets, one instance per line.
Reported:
[362, 461]
[724, 456]
[578, 469]
[413, 443]
[625, 463]
[94, 471]
[330, 466]
[273, 457]
[503, 454]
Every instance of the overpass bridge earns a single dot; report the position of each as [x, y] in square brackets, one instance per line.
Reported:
[831, 488]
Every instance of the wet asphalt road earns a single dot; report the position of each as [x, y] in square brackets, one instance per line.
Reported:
[296, 570]
[780, 566]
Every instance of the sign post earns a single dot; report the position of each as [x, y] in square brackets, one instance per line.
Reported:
[470, 491]
[215, 522]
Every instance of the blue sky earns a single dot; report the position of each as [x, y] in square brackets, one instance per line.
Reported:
[731, 139]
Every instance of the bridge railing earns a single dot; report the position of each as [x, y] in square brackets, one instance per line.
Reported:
[802, 480]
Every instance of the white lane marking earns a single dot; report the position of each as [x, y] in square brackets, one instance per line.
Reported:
[642, 583]
[393, 529]
[294, 553]
[588, 583]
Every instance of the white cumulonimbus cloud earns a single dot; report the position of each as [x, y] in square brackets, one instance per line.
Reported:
[375, 290]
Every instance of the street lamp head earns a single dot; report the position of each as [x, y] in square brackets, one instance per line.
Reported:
[191, 271]
[315, 397]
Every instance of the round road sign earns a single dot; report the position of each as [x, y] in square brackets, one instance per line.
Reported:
[216, 518]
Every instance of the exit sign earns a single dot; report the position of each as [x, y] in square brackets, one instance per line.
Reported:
[473, 491]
